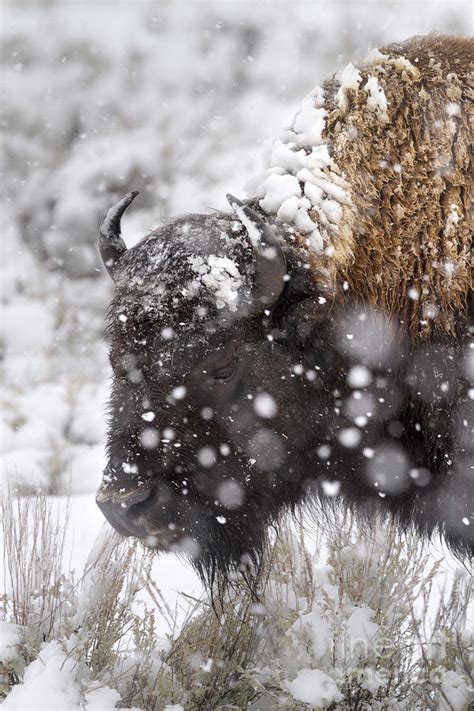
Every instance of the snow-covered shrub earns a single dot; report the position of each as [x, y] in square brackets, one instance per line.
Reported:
[69, 641]
[369, 621]
[361, 624]
[37, 591]
[355, 625]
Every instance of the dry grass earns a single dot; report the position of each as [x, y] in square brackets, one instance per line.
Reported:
[33, 549]
[239, 649]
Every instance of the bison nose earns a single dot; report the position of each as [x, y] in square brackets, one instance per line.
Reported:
[125, 510]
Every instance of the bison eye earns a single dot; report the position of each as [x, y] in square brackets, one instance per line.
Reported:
[225, 372]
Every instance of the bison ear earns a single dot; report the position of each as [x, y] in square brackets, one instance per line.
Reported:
[306, 317]
[111, 244]
[309, 300]
[270, 260]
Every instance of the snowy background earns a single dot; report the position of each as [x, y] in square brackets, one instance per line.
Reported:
[173, 100]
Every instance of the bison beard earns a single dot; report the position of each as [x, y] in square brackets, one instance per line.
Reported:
[254, 366]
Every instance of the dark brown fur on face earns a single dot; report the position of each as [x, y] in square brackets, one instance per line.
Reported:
[363, 361]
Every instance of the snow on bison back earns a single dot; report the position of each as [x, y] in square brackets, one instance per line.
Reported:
[312, 344]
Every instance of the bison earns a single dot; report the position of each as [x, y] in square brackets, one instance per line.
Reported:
[311, 344]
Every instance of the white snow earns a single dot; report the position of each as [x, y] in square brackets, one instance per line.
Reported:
[230, 494]
[221, 276]
[10, 639]
[324, 451]
[88, 424]
[265, 405]
[388, 469]
[452, 108]
[37, 320]
[301, 184]
[349, 437]
[102, 699]
[331, 488]
[455, 693]
[349, 78]
[207, 457]
[167, 333]
[278, 189]
[309, 122]
[375, 56]
[452, 220]
[361, 629]
[376, 99]
[288, 208]
[313, 686]
[359, 376]
[85, 467]
[149, 438]
[49, 683]
[179, 392]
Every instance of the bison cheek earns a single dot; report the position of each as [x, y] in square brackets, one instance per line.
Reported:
[263, 447]
[172, 520]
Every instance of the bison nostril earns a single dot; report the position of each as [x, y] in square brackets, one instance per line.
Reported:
[137, 496]
[123, 509]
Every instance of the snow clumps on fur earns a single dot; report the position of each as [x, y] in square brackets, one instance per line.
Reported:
[302, 185]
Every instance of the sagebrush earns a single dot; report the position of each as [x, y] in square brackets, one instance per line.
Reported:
[372, 614]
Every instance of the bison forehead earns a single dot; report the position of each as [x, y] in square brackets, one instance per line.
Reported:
[196, 265]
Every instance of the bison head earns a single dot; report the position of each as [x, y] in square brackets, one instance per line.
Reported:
[208, 389]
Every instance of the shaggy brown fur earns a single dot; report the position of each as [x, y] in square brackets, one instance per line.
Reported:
[410, 178]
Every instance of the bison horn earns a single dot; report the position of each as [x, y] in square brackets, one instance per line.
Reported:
[111, 244]
[270, 267]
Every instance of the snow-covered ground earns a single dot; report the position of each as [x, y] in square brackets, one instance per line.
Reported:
[172, 99]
